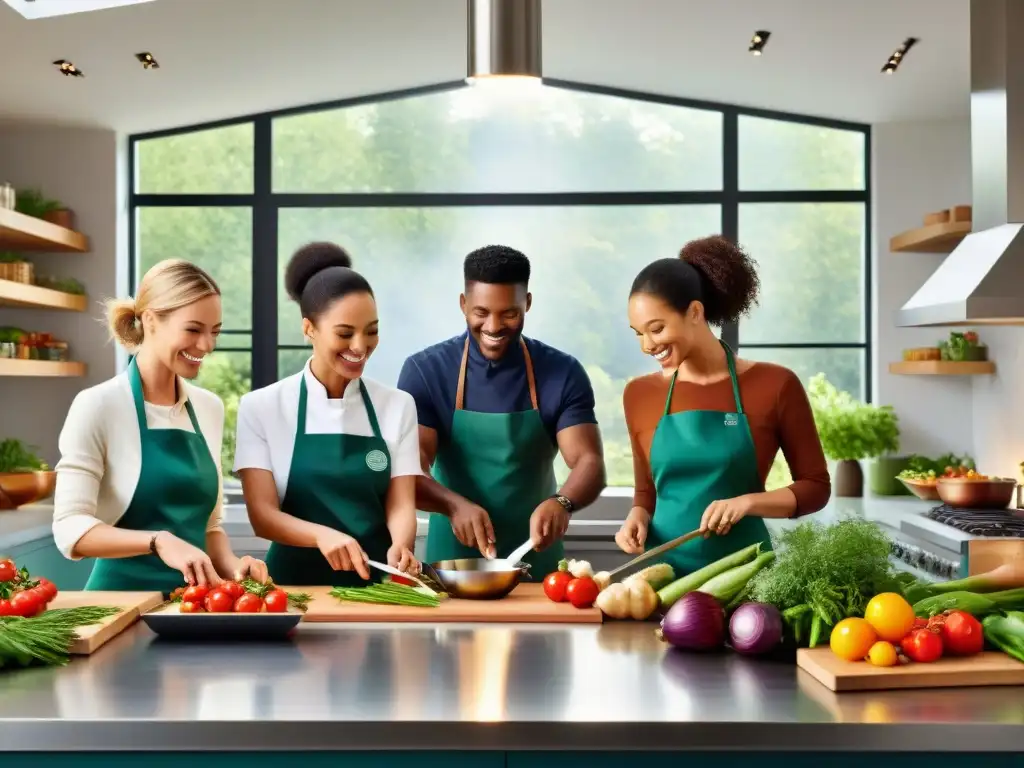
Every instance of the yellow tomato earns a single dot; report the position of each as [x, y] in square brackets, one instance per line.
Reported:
[890, 616]
[883, 654]
[852, 639]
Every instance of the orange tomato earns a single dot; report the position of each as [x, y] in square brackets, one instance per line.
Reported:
[852, 639]
[891, 616]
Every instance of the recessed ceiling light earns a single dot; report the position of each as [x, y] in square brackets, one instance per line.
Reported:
[759, 41]
[147, 60]
[51, 8]
[68, 69]
[898, 55]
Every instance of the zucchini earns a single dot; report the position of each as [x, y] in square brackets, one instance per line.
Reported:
[668, 595]
[725, 586]
[658, 575]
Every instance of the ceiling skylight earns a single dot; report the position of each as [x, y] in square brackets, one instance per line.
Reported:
[43, 9]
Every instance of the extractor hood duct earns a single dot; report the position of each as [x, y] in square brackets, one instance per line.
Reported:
[504, 40]
[982, 281]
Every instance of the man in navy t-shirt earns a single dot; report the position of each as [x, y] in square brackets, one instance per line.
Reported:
[495, 409]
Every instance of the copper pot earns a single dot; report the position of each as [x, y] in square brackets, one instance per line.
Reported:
[976, 494]
[19, 488]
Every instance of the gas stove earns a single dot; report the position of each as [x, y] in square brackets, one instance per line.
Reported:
[980, 522]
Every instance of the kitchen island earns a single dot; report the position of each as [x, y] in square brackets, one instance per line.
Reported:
[500, 696]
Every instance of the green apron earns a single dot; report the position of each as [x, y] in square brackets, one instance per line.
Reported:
[698, 457]
[339, 481]
[177, 490]
[505, 462]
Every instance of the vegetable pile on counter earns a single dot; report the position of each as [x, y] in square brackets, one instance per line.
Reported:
[247, 596]
[389, 593]
[29, 632]
[22, 595]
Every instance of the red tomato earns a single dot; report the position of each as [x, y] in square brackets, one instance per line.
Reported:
[48, 588]
[5, 607]
[923, 646]
[177, 593]
[233, 588]
[26, 603]
[219, 601]
[276, 601]
[189, 606]
[8, 570]
[249, 603]
[582, 592]
[962, 634]
[195, 594]
[555, 584]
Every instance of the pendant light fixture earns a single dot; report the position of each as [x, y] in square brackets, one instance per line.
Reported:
[504, 40]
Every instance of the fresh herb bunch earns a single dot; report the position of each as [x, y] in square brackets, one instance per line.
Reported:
[848, 428]
[45, 639]
[22, 580]
[824, 574]
[15, 456]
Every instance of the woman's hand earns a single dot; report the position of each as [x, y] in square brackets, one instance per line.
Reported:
[248, 567]
[402, 558]
[721, 516]
[633, 533]
[194, 564]
[343, 552]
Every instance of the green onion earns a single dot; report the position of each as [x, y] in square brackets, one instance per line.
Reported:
[668, 596]
[387, 593]
[971, 602]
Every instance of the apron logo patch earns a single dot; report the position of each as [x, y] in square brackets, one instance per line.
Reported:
[376, 460]
[732, 419]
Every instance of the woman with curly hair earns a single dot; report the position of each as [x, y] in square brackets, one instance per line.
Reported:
[706, 429]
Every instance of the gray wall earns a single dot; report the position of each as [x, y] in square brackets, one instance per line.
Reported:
[80, 168]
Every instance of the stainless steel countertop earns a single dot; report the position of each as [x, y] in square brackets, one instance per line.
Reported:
[376, 686]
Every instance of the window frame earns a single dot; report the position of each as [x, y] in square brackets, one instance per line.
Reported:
[266, 204]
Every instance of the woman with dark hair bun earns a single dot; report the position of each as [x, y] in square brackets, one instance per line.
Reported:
[706, 429]
[329, 458]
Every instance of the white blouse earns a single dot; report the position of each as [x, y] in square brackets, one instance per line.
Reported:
[267, 423]
[101, 454]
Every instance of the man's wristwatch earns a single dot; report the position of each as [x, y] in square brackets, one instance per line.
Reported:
[567, 504]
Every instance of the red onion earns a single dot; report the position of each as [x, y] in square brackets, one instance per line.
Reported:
[695, 623]
[755, 628]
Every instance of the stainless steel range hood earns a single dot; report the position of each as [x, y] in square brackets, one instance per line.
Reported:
[982, 281]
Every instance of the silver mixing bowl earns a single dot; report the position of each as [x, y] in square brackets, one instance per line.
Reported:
[478, 578]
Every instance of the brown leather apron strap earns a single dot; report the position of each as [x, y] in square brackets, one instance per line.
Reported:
[460, 392]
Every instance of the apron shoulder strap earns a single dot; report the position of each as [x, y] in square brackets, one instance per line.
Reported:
[300, 418]
[192, 417]
[135, 381]
[460, 391]
[371, 413]
[731, 361]
[668, 397]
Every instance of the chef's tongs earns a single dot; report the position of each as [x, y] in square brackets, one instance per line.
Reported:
[651, 553]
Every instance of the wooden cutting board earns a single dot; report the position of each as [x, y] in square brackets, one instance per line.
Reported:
[92, 637]
[988, 668]
[526, 604]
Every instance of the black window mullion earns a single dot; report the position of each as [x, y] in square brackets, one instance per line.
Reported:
[731, 200]
[264, 259]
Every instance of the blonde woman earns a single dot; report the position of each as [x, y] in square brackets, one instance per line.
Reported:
[139, 480]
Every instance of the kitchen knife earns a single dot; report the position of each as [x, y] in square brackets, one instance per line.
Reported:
[614, 576]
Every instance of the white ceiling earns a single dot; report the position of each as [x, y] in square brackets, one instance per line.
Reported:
[222, 58]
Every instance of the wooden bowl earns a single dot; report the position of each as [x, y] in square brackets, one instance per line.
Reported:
[20, 488]
[976, 494]
[926, 491]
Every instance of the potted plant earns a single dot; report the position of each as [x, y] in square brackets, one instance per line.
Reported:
[24, 477]
[32, 202]
[850, 431]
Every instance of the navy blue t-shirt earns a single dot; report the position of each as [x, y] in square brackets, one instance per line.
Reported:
[564, 393]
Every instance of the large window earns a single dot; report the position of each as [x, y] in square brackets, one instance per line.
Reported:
[591, 183]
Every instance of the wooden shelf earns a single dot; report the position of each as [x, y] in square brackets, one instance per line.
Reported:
[11, 367]
[942, 368]
[14, 294]
[934, 238]
[19, 232]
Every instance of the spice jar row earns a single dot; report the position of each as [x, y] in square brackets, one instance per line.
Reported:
[24, 345]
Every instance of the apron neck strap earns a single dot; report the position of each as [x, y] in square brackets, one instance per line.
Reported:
[460, 392]
[730, 360]
[371, 414]
[135, 379]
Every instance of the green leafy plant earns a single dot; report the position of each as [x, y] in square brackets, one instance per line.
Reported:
[848, 428]
[15, 456]
[32, 202]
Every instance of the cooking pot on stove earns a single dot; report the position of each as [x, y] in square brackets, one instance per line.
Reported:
[477, 578]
